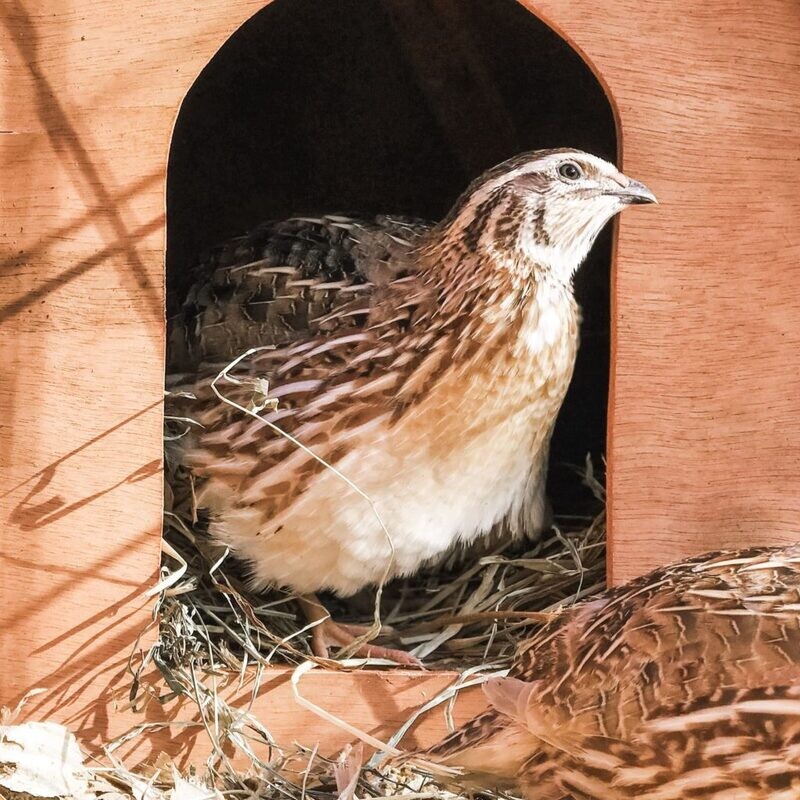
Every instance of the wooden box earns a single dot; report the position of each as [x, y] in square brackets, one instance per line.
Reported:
[704, 406]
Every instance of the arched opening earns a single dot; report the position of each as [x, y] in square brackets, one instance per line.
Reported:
[390, 106]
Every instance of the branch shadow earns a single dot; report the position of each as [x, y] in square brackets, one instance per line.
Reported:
[63, 136]
[50, 468]
[29, 298]
[69, 579]
[79, 222]
[30, 516]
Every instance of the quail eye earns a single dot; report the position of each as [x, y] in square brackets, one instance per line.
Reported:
[570, 170]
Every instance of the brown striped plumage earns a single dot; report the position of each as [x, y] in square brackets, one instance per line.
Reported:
[427, 362]
[682, 684]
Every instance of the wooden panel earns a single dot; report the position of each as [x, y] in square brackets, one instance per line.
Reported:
[374, 702]
[705, 416]
[91, 90]
[704, 413]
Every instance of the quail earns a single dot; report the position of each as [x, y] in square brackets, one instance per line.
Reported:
[682, 684]
[425, 363]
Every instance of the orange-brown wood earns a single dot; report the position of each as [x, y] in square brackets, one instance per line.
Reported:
[705, 407]
[704, 411]
[91, 92]
[374, 702]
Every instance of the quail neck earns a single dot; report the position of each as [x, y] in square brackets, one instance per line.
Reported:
[537, 216]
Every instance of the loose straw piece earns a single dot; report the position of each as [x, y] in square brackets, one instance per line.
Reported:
[173, 577]
[353, 663]
[443, 696]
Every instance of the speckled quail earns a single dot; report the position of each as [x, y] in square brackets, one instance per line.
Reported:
[427, 362]
[682, 684]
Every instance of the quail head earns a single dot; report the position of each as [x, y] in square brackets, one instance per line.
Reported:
[425, 362]
[682, 684]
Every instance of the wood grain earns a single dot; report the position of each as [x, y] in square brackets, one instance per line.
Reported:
[92, 90]
[705, 410]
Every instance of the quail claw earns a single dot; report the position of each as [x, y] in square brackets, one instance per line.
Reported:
[327, 634]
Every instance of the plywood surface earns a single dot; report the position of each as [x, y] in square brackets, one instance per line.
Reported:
[705, 417]
[374, 702]
[90, 93]
[704, 412]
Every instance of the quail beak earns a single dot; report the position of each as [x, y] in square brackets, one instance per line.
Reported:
[636, 193]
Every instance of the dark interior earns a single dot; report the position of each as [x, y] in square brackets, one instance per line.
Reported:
[364, 106]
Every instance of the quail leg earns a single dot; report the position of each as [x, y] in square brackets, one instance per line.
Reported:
[326, 634]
